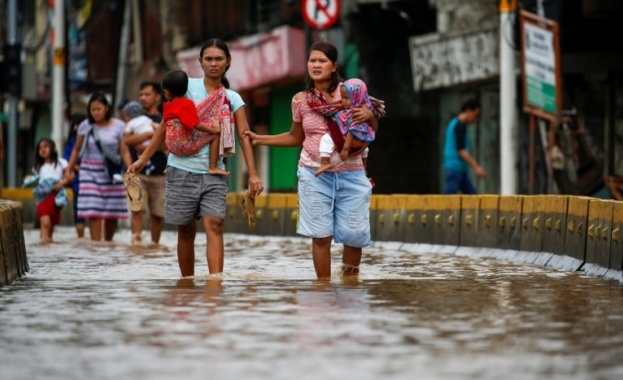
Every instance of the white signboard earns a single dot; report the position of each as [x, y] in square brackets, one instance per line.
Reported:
[441, 61]
[540, 67]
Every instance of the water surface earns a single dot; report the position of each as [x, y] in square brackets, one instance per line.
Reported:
[88, 311]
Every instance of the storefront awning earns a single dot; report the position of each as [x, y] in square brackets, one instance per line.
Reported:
[257, 60]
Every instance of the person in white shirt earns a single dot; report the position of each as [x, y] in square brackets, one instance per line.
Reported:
[137, 123]
[50, 195]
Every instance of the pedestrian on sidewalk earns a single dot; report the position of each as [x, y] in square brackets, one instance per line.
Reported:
[457, 157]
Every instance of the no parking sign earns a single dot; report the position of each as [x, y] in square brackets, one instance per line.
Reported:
[320, 14]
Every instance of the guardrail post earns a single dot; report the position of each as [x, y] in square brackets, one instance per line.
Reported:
[509, 222]
[468, 236]
[616, 244]
[488, 219]
[598, 232]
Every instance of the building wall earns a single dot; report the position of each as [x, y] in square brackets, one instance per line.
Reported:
[283, 161]
[404, 158]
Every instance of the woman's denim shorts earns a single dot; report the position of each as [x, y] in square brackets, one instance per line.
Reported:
[335, 204]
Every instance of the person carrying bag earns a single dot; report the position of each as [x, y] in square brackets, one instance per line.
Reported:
[113, 166]
[102, 202]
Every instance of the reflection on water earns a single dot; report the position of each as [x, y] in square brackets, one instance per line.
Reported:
[106, 311]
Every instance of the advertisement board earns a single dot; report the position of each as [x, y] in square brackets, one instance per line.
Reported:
[540, 53]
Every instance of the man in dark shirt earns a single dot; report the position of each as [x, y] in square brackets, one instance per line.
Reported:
[152, 177]
[457, 158]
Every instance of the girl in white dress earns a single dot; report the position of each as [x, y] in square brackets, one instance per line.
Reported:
[49, 193]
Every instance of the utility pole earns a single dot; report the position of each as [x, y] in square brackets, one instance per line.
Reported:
[58, 74]
[508, 103]
[13, 116]
[122, 64]
[540, 9]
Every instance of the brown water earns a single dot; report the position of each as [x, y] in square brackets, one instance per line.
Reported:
[108, 312]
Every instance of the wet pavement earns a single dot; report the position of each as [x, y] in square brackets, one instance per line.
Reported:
[108, 311]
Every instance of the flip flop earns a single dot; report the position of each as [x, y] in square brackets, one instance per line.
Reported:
[248, 208]
[133, 191]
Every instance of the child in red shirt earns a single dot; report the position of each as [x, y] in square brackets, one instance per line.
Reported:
[185, 133]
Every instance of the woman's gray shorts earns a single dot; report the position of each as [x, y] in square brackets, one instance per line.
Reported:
[190, 196]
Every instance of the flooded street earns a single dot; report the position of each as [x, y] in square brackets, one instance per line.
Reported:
[87, 311]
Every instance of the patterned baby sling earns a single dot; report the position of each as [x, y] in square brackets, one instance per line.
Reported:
[329, 110]
[216, 107]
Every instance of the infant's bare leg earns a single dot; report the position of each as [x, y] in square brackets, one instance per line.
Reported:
[325, 163]
[214, 148]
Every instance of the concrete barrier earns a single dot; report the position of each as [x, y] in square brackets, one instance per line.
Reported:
[276, 207]
[555, 219]
[13, 260]
[235, 220]
[433, 219]
[562, 232]
[531, 239]
[616, 244]
[598, 229]
[391, 218]
[262, 217]
[24, 197]
[447, 211]
[291, 216]
[470, 215]
[488, 220]
[509, 217]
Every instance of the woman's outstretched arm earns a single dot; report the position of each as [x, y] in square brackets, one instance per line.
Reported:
[294, 137]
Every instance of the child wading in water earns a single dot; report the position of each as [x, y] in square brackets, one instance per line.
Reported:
[49, 193]
[185, 134]
[354, 94]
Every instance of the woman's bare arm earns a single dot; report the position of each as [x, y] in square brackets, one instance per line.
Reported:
[132, 139]
[294, 137]
[154, 146]
[242, 127]
[75, 153]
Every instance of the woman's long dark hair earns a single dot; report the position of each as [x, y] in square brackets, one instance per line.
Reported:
[39, 161]
[218, 43]
[330, 51]
[99, 97]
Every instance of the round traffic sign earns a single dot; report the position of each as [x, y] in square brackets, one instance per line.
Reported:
[320, 14]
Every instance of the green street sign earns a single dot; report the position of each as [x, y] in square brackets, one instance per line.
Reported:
[540, 68]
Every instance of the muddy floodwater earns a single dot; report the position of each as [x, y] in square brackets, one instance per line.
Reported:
[109, 311]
